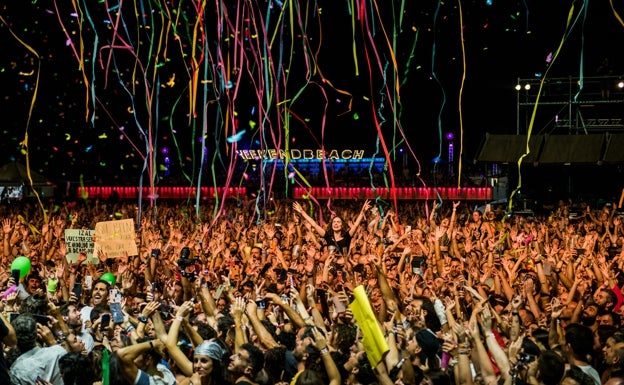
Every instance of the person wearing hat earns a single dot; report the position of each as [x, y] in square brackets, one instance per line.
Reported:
[207, 365]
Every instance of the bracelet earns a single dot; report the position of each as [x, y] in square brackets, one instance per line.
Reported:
[179, 318]
[324, 351]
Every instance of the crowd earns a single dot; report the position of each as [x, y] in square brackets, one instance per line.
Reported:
[238, 295]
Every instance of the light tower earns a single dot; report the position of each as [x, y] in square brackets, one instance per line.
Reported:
[449, 136]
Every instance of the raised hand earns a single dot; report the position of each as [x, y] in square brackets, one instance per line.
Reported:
[6, 226]
[237, 308]
[185, 309]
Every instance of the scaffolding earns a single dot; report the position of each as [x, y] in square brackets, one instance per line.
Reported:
[571, 105]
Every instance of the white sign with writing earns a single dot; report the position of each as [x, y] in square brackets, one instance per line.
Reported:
[79, 241]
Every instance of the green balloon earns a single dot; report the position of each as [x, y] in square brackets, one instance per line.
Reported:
[22, 264]
[108, 277]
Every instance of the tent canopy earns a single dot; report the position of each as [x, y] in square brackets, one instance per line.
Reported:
[553, 149]
[16, 174]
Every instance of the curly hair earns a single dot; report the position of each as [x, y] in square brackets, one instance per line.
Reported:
[26, 331]
[35, 304]
[76, 369]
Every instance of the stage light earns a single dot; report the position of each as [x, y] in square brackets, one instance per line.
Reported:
[518, 87]
[527, 86]
[620, 84]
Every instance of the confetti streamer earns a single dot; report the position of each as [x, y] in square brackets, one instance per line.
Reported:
[535, 106]
[24, 143]
[208, 79]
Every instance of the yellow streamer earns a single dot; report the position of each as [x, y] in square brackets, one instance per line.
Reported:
[532, 121]
[24, 143]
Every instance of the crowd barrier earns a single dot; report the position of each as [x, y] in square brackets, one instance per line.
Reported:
[402, 193]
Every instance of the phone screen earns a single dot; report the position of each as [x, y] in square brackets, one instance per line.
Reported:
[41, 319]
[105, 321]
[219, 292]
[15, 273]
[88, 282]
[77, 290]
[339, 306]
[118, 316]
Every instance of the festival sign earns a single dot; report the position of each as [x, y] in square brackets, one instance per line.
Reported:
[79, 241]
[115, 238]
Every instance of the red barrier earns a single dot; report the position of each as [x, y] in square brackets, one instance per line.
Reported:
[402, 193]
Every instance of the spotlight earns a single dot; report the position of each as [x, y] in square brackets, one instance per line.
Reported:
[620, 84]
[518, 87]
[527, 86]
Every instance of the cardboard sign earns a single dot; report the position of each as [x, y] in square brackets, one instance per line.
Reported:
[115, 238]
[79, 241]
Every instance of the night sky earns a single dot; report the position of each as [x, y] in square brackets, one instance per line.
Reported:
[116, 79]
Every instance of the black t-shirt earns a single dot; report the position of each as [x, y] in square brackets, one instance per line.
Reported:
[4, 370]
[340, 245]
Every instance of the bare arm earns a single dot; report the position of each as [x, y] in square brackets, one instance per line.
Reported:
[297, 207]
[171, 342]
[128, 354]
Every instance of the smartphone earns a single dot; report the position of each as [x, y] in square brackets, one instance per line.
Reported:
[88, 282]
[117, 312]
[339, 306]
[15, 273]
[165, 309]
[77, 290]
[408, 229]
[41, 319]
[219, 292]
[153, 288]
[105, 321]
[114, 295]
[261, 304]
